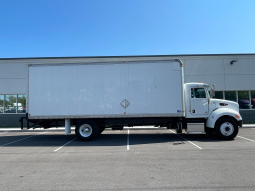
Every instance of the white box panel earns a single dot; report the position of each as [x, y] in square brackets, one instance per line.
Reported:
[151, 88]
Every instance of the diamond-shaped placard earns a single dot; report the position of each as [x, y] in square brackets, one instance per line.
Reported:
[125, 103]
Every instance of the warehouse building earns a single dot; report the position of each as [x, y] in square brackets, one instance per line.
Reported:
[232, 74]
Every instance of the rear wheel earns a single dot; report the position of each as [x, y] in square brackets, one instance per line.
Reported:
[226, 128]
[86, 130]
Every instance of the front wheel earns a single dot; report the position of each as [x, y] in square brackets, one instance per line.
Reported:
[226, 128]
[86, 130]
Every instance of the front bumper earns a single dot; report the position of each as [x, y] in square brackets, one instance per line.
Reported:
[240, 123]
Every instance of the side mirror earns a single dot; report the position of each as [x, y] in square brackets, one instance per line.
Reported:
[212, 91]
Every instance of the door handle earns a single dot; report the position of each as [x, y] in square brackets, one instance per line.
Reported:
[193, 111]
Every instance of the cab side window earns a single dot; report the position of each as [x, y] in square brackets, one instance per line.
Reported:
[198, 93]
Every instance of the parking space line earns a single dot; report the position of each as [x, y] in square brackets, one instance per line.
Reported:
[186, 140]
[20, 139]
[65, 144]
[246, 139]
[128, 140]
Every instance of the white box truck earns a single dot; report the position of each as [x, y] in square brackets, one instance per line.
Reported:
[113, 94]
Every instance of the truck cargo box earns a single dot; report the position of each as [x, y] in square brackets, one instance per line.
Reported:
[105, 90]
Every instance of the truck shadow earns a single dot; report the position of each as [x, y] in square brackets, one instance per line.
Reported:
[105, 139]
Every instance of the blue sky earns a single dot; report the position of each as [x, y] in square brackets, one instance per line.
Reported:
[41, 28]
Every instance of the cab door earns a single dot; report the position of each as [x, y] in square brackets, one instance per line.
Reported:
[198, 101]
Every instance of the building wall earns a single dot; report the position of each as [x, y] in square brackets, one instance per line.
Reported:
[11, 120]
[12, 78]
[210, 69]
[238, 76]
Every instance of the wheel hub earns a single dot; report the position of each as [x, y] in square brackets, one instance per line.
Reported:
[227, 129]
[85, 130]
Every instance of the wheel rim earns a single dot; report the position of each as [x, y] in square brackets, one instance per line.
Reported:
[85, 130]
[226, 129]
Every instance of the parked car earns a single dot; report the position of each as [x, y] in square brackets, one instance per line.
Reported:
[244, 104]
[253, 103]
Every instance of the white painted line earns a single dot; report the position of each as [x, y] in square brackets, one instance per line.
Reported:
[64, 144]
[246, 139]
[10, 129]
[128, 140]
[186, 140]
[3, 132]
[142, 127]
[21, 139]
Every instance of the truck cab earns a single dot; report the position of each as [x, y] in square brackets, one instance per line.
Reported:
[221, 117]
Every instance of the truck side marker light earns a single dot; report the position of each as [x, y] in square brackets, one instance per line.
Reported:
[124, 112]
[212, 117]
[238, 116]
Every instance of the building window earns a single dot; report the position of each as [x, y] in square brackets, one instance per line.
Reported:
[230, 95]
[243, 100]
[21, 104]
[218, 95]
[253, 99]
[1, 103]
[10, 103]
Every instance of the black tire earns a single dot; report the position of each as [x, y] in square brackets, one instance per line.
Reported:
[178, 127]
[226, 128]
[86, 130]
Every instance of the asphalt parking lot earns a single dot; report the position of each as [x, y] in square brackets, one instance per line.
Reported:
[132, 159]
